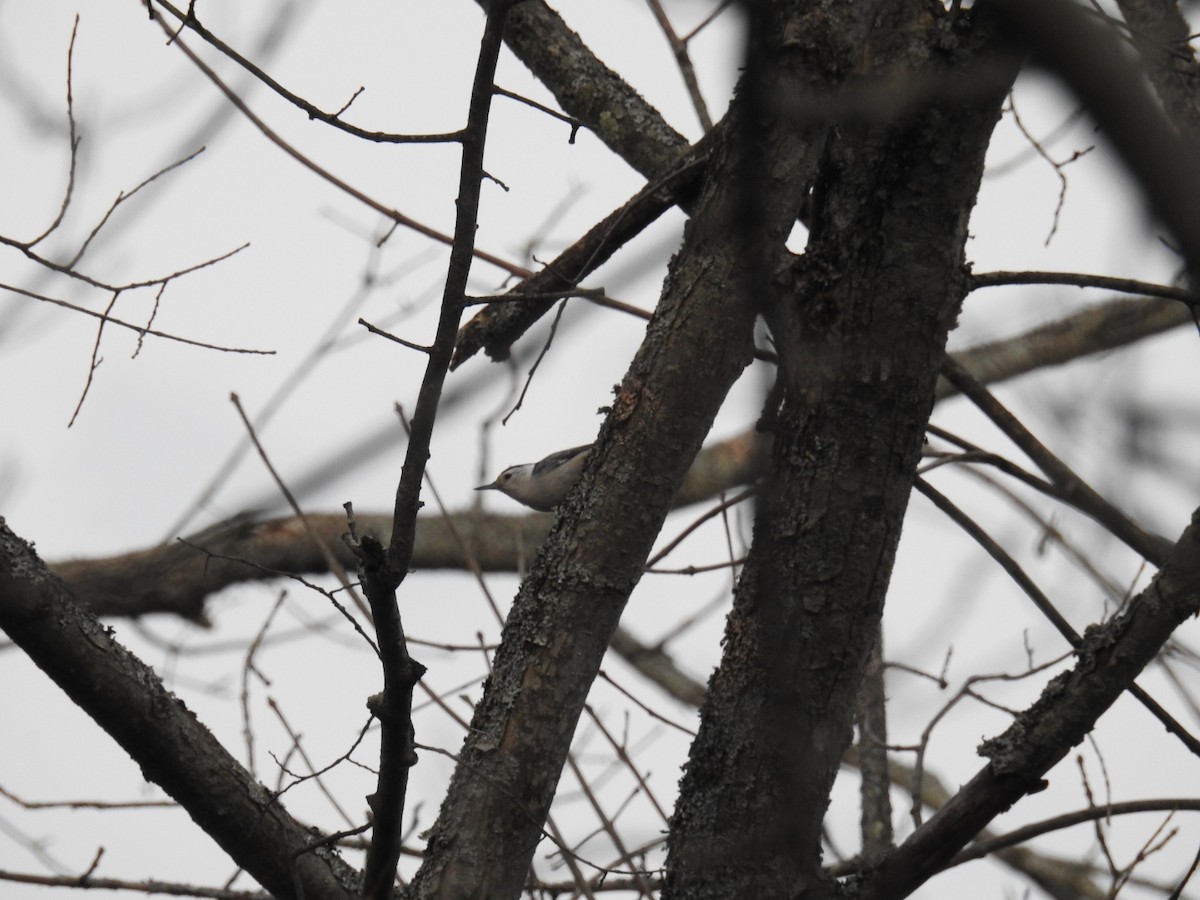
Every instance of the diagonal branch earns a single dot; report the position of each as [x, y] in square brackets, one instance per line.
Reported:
[127, 699]
[1045, 605]
[188, 20]
[498, 326]
[270, 134]
[1110, 657]
[1074, 489]
[599, 99]
[1092, 60]
[591, 92]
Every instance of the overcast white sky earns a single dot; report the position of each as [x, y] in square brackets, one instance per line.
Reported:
[155, 427]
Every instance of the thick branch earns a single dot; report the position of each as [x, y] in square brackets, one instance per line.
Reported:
[697, 344]
[496, 327]
[1164, 38]
[1111, 657]
[159, 733]
[179, 578]
[593, 94]
[590, 91]
[861, 334]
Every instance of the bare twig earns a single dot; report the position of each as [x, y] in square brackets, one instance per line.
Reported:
[553, 113]
[1045, 606]
[606, 822]
[123, 324]
[421, 348]
[1074, 488]
[74, 142]
[86, 804]
[95, 361]
[149, 886]
[188, 20]
[684, 61]
[121, 198]
[1084, 280]
[248, 666]
[1054, 164]
[987, 847]
[67, 269]
[718, 510]
[270, 134]
[327, 555]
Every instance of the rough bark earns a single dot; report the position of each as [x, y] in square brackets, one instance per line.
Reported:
[1163, 37]
[604, 103]
[1111, 657]
[697, 344]
[861, 334]
[590, 91]
[175, 751]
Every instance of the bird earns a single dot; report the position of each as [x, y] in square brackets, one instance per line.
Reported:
[544, 484]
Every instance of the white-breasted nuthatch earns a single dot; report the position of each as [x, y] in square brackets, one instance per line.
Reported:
[542, 485]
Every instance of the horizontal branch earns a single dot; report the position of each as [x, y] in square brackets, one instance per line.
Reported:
[1095, 329]
[991, 845]
[1084, 280]
[178, 578]
[589, 91]
[123, 324]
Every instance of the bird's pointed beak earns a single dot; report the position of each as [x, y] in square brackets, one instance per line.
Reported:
[488, 487]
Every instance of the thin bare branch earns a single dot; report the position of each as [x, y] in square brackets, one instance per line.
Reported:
[684, 61]
[73, 140]
[1078, 492]
[95, 361]
[149, 886]
[1025, 833]
[327, 555]
[123, 324]
[270, 134]
[420, 348]
[1083, 280]
[188, 20]
[1045, 606]
[121, 198]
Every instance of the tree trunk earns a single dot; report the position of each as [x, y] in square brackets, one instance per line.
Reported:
[861, 327]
